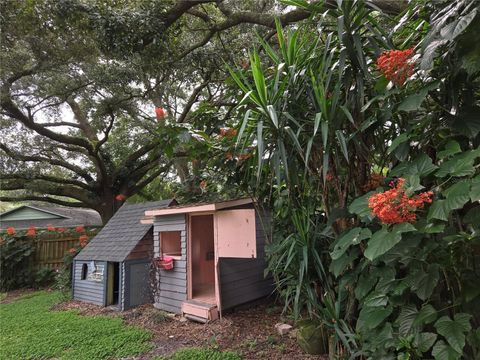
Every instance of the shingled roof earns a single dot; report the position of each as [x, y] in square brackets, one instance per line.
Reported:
[121, 234]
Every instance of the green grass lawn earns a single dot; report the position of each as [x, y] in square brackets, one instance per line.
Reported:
[29, 330]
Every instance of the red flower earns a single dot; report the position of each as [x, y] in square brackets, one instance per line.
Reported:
[396, 65]
[160, 113]
[31, 231]
[51, 228]
[61, 230]
[72, 250]
[244, 156]
[120, 197]
[11, 230]
[228, 133]
[83, 240]
[80, 229]
[395, 207]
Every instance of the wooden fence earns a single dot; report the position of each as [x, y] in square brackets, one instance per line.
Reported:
[50, 251]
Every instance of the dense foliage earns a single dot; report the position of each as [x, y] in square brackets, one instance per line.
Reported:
[372, 152]
[19, 260]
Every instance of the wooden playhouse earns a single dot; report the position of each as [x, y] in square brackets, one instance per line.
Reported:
[218, 257]
[114, 268]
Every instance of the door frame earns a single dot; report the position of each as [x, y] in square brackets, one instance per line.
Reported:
[189, 257]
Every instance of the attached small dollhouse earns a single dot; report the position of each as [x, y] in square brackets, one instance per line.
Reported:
[218, 257]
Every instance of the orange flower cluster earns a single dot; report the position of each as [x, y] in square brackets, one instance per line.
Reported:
[228, 133]
[246, 156]
[395, 207]
[160, 113]
[51, 228]
[31, 231]
[374, 181]
[396, 65]
[83, 240]
[120, 197]
[79, 229]
[240, 157]
[11, 230]
[72, 250]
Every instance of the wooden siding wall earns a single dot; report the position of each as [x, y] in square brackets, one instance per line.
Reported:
[88, 290]
[243, 280]
[144, 248]
[173, 283]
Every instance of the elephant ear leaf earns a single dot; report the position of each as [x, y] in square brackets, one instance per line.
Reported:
[442, 351]
[454, 330]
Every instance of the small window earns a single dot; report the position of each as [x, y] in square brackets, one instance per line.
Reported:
[171, 244]
[84, 271]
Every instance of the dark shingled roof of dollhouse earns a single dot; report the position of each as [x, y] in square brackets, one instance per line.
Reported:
[121, 234]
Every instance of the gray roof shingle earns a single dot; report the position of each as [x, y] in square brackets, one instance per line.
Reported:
[121, 234]
[71, 217]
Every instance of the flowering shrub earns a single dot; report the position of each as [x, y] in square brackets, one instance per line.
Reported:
[32, 231]
[395, 206]
[17, 248]
[228, 133]
[396, 65]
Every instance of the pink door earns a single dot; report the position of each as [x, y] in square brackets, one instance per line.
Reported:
[236, 233]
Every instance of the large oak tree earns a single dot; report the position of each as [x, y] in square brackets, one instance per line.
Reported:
[79, 80]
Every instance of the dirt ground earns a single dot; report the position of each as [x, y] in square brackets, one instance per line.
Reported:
[250, 333]
[12, 295]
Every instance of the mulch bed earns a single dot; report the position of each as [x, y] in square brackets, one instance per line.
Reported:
[13, 295]
[250, 332]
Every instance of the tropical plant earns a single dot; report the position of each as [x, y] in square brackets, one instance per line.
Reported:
[336, 118]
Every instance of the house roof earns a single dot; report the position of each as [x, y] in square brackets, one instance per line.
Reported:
[41, 216]
[192, 208]
[121, 234]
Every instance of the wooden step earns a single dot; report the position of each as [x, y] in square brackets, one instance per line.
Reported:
[199, 311]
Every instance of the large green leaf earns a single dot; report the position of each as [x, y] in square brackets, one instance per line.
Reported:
[442, 351]
[414, 101]
[459, 165]
[406, 319]
[438, 211]
[475, 189]
[425, 282]
[383, 240]
[454, 330]
[424, 341]
[376, 299]
[371, 317]
[352, 237]
[397, 141]
[457, 195]
[451, 148]
[359, 206]
[339, 265]
[420, 166]
[426, 315]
